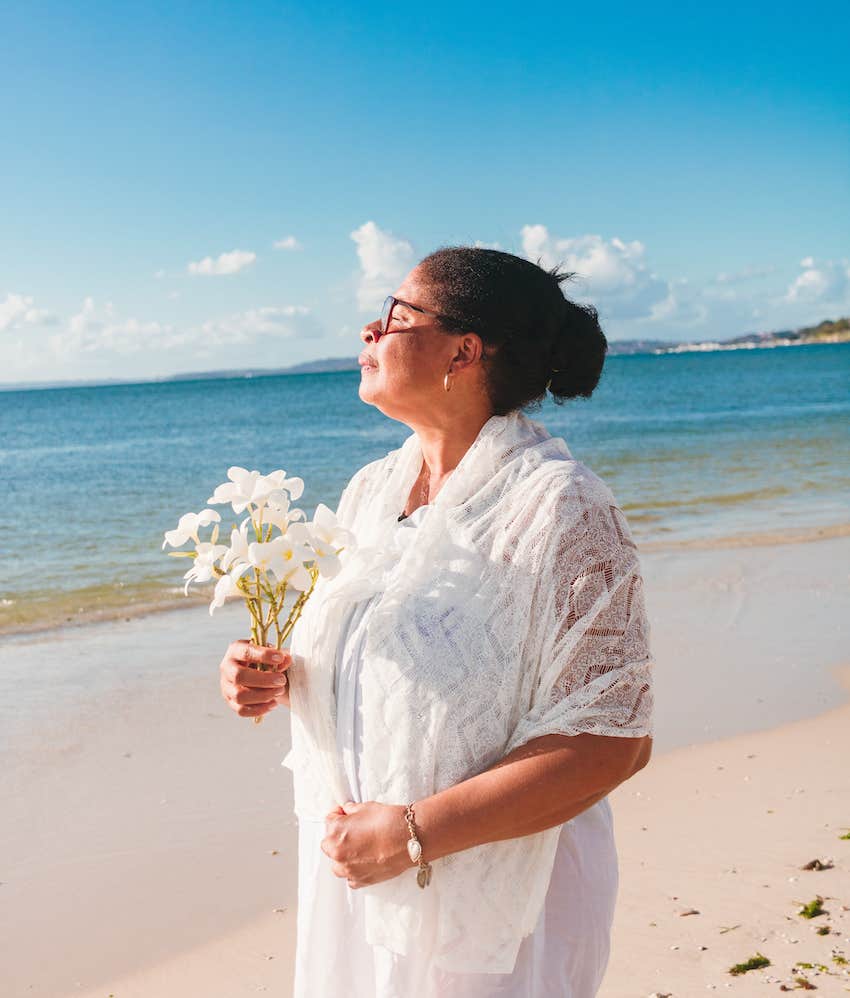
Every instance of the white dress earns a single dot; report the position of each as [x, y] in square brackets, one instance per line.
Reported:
[564, 957]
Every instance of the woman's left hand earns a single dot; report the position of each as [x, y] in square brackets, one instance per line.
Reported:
[367, 843]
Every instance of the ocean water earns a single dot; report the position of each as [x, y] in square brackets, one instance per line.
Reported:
[701, 446]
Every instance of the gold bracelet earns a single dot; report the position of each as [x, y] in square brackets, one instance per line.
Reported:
[414, 850]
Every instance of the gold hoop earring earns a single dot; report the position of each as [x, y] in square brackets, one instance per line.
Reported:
[446, 382]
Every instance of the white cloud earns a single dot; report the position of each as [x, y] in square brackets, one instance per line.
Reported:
[287, 243]
[96, 329]
[225, 263]
[618, 280]
[87, 321]
[825, 283]
[724, 302]
[479, 245]
[18, 310]
[732, 303]
[274, 320]
[384, 262]
[679, 308]
[158, 275]
[747, 274]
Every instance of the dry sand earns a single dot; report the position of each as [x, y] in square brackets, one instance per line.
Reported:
[722, 830]
[148, 846]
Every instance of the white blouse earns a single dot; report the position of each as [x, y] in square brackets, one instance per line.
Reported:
[513, 610]
[564, 957]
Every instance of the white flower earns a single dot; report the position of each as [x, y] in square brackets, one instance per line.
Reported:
[188, 527]
[226, 586]
[326, 538]
[237, 553]
[299, 533]
[203, 568]
[280, 515]
[260, 570]
[283, 559]
[250, 488]
[294, 486]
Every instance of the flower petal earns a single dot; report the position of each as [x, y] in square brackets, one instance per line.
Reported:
[300, 579]
[224, 588]
[329, 565]
[295, 487]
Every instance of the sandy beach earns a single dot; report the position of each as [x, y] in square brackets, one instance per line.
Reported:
[149, 840]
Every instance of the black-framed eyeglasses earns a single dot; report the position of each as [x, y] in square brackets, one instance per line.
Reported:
[390, 303]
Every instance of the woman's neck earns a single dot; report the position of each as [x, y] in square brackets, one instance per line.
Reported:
[444, 444]
[443, 440]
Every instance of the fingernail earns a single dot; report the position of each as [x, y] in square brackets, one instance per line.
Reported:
[277, 656]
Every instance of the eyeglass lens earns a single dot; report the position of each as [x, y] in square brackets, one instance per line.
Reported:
[386, 312]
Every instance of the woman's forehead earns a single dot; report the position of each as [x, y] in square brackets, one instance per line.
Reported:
[416, 288]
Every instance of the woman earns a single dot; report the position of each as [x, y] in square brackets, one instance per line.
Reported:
[477, 679]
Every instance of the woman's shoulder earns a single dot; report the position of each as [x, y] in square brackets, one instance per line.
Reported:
[566, 481]
[568, 502]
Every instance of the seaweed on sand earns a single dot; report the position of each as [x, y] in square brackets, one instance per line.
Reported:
[813, 908]
[754, 963]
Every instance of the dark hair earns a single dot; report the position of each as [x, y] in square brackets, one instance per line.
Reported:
[518, 307]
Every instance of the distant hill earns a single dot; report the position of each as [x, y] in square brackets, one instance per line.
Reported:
[828, 331]
[637, 346]
[326, 366]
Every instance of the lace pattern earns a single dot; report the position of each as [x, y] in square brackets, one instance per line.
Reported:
[514, 610]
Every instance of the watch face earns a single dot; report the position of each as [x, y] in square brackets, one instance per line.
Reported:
[414, 850]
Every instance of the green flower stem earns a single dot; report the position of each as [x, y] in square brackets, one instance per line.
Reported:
[298, 606]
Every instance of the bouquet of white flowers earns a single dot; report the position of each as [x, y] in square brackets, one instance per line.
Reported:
[260, 571]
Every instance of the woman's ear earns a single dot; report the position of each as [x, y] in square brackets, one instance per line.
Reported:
[469, 349]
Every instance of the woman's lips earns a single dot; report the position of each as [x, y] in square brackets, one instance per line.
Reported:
[366, 363]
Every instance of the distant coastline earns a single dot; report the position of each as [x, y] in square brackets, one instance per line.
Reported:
[828, 331]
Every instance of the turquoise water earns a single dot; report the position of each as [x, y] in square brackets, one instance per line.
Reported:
[706, 446]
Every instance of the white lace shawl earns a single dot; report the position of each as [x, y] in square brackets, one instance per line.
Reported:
[514, 610]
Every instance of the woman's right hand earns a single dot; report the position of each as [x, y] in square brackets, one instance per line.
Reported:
[247, 690]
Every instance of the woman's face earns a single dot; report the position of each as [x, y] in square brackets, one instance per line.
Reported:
[402, 374]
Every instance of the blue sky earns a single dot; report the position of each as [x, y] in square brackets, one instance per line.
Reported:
[693, 167]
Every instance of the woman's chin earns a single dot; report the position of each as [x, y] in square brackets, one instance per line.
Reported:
[369, 388]
[376, 395]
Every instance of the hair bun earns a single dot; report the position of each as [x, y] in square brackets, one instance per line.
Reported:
[579, 353]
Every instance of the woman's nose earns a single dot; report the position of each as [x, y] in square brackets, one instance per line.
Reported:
[367, 333]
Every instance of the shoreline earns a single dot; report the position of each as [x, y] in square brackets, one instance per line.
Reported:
[140, 807]
[715, 618]
[767, 538]
[153, 605]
